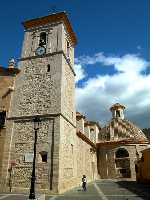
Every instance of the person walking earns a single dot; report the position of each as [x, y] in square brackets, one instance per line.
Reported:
[84, 181]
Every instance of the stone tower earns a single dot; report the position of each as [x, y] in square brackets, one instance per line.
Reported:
[44, 88]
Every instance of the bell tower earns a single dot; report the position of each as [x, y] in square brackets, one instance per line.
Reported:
[48, 51]
[44, 88]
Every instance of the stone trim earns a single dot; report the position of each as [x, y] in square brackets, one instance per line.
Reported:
[45, 116]
[122, 142]
[69, 63]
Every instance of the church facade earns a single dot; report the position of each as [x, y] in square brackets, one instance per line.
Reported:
[68, 145]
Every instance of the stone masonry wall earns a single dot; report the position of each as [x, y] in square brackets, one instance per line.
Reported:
[86, 161]
[76, 159]
[80, 125]
[22, 145]
[2, 141]
[68, 93]
[36, 90]
[6, 82]
[23, 142]
[67, 162]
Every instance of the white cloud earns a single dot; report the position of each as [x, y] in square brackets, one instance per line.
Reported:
[80, 74]
[129, 87]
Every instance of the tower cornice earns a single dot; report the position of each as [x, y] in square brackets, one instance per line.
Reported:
[56, 17]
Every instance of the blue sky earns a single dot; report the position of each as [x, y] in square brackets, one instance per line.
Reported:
[111, 34]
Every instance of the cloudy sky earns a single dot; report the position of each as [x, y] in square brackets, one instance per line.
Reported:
[127, 84]
[112, 55]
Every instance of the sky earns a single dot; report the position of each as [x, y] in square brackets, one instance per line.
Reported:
[112, 56]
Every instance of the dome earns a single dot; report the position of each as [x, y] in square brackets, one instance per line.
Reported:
[122, 129]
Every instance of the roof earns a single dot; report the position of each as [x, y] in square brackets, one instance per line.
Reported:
[146, 150]
[8, 71]
[116, 106]
[86, 139]
[55, 17]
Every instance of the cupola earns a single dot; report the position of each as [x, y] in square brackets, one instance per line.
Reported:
[117, 111]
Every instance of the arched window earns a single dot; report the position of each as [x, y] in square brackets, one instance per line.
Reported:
[43, 155]
[92, 135]
[122, 153]
[108, 136]
[42, 39]
[91, 130]
[68, 49]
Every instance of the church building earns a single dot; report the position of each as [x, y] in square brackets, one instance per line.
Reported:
[67, 144]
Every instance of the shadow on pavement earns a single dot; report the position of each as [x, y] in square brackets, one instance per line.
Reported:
[140, 189]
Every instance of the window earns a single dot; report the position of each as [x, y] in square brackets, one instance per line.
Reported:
[43, 156]
[91, 130]
[108, 136]
[72, 148]
[48, 68]
[68, 49]
[42, 39]
[2, 119]
[142, 158]
[136, 168]
[92, 135]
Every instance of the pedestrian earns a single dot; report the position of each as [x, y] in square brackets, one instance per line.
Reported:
[84, 181]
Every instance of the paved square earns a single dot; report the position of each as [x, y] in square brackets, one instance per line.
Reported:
[98, 190]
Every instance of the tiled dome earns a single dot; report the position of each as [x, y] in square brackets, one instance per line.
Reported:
[122, 129]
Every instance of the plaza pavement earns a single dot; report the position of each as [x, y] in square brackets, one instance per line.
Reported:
[98, 190]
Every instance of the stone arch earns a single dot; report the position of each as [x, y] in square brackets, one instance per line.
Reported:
[122, 162]
[122, 153]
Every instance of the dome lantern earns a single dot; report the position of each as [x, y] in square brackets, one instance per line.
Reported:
[117, 111]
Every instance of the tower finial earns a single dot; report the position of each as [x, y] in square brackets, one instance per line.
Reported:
[11, 63]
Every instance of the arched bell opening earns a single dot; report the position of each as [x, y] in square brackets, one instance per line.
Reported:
[43, 38]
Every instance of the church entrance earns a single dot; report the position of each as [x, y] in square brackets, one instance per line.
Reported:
[122, 162]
